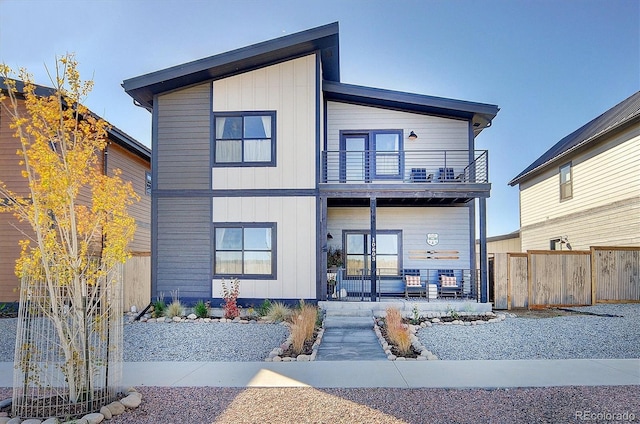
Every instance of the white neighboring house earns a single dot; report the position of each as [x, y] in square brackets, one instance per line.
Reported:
[585, 190]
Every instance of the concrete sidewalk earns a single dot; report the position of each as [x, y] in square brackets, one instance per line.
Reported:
[354, 374]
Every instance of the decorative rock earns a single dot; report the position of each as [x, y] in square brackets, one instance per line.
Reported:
[277, 359]
[52, 420]
[191, 316]
[421, 358]
[132, 401]
[31, 421]
[116, 408]
[15, 420]
[144, 319]
[4, 420]
[302, 358]
[237, 319]
[106, 412]
[391, 357]
[207, 320]
[94, 418]
[177, 319]
[435, 320]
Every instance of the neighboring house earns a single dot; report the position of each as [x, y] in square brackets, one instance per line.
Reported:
[122, 152]
[585, 190]
[263, 161]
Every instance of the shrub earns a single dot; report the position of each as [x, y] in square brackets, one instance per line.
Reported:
[201, 309]
[302, 326]
[159, 307]
[230, 296]
[263, 309]
[278, 311]
[175, 309]
[396, 331]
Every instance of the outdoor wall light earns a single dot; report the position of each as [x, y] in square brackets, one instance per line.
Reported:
[329, 236]
[412, 136]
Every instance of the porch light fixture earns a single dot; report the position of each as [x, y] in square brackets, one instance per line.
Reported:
[329, 236]
[412, 136]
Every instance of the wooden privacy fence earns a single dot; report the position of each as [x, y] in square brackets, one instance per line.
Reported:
[136, 276]
[541, 278]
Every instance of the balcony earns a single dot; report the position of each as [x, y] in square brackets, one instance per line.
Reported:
[413, 167]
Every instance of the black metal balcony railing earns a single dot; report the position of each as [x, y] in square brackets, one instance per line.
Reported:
[356, 286]
[415, 166]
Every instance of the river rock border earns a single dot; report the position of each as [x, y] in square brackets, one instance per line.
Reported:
[433, 318]
[276, 354]
[131, 400]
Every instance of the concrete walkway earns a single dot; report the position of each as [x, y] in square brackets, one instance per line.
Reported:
[354, 374]
[349, 339]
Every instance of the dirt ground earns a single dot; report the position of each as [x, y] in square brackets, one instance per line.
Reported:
[540, 313]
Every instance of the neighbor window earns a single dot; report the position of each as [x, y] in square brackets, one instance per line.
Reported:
[147, 183]
[244, 139]
[566, 186]
[244, 250]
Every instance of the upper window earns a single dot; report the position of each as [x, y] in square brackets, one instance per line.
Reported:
[244, 139]
[244, 250]
[147, 183]
[370, 155]
[566, 186]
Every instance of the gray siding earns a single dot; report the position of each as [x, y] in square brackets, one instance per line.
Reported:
[184, 247]
[183, 144]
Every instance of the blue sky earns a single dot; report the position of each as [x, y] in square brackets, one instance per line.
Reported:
[551, 66]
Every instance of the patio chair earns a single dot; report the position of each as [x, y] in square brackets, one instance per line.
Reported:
[412, 282]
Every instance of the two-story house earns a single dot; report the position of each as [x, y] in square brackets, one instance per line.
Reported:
[585, 190]
[265, 165]
[122, 152]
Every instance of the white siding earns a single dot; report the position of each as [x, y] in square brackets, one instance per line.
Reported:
[296, 239]
[605, 207]
[434, 133]
[289, 88]
[450, 223]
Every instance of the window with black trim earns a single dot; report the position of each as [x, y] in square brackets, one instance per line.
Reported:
[358, 251]
[371, 155]
[566, 185]
[244, 250]
[147, 183]
[244, 139]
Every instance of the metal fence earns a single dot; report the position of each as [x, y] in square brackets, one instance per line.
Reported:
[68, 353]
[415, 166]
[357, 285]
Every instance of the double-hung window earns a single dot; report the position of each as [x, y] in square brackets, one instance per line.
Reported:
[244, 139]
[566, 185]
[244, 250]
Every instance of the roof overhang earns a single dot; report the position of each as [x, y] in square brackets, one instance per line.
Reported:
[323, 39]
[115, 134]
[619, 118]
[480, 114]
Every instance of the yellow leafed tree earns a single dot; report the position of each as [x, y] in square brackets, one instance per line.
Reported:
[80, 228]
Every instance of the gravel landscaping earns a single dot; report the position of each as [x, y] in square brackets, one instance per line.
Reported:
[573, 335]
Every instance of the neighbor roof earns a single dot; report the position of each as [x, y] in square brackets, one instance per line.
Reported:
[116, 134]
[480, 114]
[324, 39]
[618, 116]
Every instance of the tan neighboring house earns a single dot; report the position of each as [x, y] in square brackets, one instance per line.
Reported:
[585, 190]
[122, 152]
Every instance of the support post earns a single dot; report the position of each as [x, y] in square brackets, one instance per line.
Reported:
[372, 241]
[484, 286]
